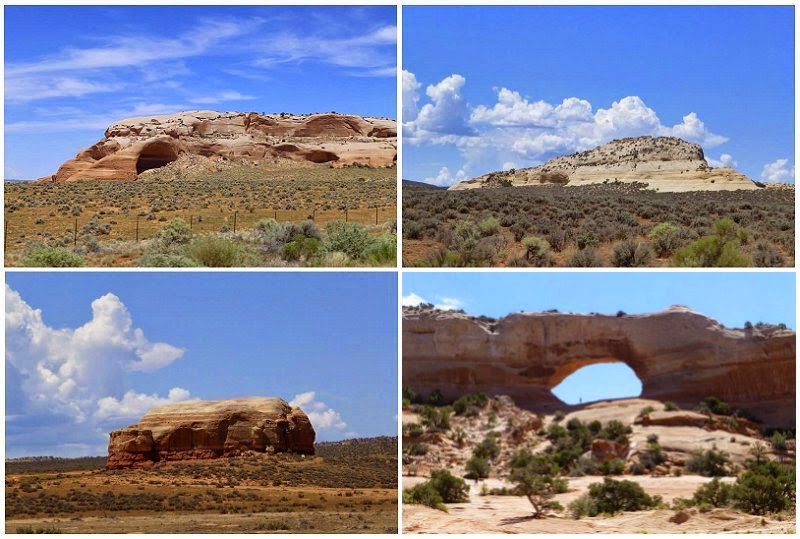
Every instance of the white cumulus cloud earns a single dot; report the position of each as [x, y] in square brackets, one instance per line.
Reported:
[778, 171]
[78, 376]
[321, 415]
[725, 160]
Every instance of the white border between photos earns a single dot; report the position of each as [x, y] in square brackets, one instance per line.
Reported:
[398, 269]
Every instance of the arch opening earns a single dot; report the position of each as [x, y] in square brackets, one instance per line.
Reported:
[597, 382]
[155, 155]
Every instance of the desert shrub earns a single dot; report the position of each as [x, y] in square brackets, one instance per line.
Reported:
[412, 430]
[715, 405]
[718, 250]
[647, 410]
[416, 450]
[424, 494]
[535, 476]
[714, 493]
[612, 467]
[586, 258]
[666, 239]
[350, 238]
[613, 496]
[51, 257]
[488, 226]
[653, 455]
[176, 232]
[477, 468]
[631, 254]
[162, 260]
[537, 251]
[766, 487]
[214, 251]
[779, 440]
[710, 462]
[383, 250]
[765, 256]
[470, 404]
[435, 398]
[487, 449]
[301, 247]
[670, 406]
[615, 431]
[435, 419]
[583, 506]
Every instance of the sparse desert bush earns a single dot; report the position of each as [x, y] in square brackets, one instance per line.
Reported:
[443, 487]
[214, 251]
[611, 497]
[161, 260]
[710, 462]
[470, 404]
[477, 468]
[766, 487]
[718, 250]
[632, 254]
[353, 239]
[715, 405]
[175, 232]
[436, 419]
[51, 257]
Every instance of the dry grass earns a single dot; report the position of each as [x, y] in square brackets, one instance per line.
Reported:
[352, 490]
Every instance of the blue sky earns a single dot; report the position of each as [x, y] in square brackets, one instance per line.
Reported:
[71, 71]
[486, 88]
[732, 298]
[207, 336]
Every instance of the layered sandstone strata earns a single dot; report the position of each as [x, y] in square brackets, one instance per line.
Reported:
[678, 354]
[211, 429]
[665, 164]
[131, 146]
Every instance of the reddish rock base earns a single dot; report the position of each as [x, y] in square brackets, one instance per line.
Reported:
[211, 429]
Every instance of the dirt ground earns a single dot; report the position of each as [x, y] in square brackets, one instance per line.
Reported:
[351, 490]
[511, 514]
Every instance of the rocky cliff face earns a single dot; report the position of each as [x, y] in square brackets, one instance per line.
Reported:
[134, 145]
[666, 164]
[679, 355]
[211, 429]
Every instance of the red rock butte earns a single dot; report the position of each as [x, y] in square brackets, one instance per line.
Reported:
[679, 355]
[211, 429]
[131, 146]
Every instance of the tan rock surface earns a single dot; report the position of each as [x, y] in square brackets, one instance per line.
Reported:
[666, 164]
[678, 354]
[134, 145]
[211, 429]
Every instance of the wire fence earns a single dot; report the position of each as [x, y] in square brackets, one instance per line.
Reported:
[19, 231]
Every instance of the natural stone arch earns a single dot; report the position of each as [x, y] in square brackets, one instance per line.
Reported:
[155, 155]
[677, 354]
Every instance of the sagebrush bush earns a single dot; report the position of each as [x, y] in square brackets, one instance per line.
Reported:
[175, 232]
[353, 239]
[162, 260]
[51, 257]
[214, 251]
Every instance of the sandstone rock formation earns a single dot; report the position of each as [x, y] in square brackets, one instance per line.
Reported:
[211, 429]
[134, 145]
[679, 355]
[666, 164]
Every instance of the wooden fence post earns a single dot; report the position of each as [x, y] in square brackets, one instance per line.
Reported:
[234, 222]
[75, 233]
[137, 229]
[376, 215]
[345, 214]
[191, 222]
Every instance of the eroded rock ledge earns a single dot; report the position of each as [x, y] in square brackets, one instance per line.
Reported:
[131, 146]
[678, 354]
[211, 429]
[665, 164]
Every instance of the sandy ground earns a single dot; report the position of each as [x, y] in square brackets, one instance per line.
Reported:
[511, 514]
